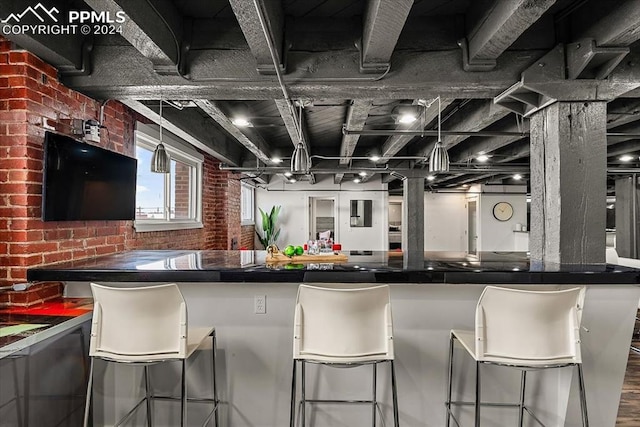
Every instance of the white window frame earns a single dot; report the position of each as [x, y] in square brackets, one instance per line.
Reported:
[247, 204]
[146, 136]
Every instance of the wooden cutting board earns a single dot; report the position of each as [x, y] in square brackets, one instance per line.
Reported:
[331, 257]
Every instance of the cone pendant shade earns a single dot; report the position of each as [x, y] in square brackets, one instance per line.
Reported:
[439, 159]
[300, 160]
[160, 161]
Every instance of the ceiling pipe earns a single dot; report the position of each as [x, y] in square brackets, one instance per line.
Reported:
[372, 132]
[384, 132]
[454, 169]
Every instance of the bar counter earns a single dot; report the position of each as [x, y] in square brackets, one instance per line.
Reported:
[431, 294]
[361, 266]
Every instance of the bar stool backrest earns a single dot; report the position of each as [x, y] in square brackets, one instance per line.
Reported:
[337, 324]
[139, 322]
[529, 327]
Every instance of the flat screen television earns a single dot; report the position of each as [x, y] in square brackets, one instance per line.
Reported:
[83, 182]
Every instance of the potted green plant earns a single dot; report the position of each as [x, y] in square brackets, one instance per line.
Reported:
[270, 232]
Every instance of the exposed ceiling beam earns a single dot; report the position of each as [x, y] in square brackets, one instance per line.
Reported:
[155, 29]
[337, 178]
[632, 129]
[623, 148]
[188, 125]
[497, 27]
[625, 110]
[69, 53]
[469, 150]
[472, 117]
[251, 26]
[395, 143]
[255, 144]
[356, 118]
[224, 74]
[619, 27]
[383, 23]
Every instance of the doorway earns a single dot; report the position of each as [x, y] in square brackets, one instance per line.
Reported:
[322, 217]
[472, 231]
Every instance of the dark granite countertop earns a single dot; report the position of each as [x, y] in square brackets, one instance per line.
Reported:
[362, 266]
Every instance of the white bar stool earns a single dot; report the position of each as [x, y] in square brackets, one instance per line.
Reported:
[526, 330]
[342, 327]
[145, 326]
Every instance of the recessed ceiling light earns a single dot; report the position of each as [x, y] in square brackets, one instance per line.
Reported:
[357, 180]
[407, 118]
[465, 185]
[517, 177]
[625, 158]
[362, 174]
[288, 174]
[241, 122]
[374, 158]
[431, 177]
[292, 180]
[276, 160]
[482, 158]
[611, 206]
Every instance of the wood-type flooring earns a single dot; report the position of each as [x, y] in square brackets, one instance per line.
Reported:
[629, 410]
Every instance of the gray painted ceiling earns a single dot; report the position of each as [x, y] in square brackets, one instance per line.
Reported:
[357, 64]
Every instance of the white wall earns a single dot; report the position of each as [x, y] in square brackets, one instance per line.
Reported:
[395, 212]
[294, 215]
[445, 222]
[494, 235]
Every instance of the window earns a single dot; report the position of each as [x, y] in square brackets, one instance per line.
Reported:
[247, 196]
[170, 201]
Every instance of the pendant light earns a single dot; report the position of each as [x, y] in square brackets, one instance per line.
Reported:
[160, 161]
[300, 162]
[439, 158]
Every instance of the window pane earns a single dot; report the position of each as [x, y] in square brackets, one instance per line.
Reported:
[150, 188]
[180, 190]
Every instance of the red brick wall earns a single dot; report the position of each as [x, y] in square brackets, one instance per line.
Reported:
[247, 236]
[31, 93]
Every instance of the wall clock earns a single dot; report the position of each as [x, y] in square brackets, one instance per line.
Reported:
[503, 211]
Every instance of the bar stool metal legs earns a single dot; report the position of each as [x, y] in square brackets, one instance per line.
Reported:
[375, 408]
[521, 406]
[149, 396]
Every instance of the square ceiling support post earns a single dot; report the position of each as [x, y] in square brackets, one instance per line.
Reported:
[568, 183]
[628, 216]
[413, 219]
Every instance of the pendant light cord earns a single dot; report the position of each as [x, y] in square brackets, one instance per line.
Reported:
[439, 123]
[160, 121]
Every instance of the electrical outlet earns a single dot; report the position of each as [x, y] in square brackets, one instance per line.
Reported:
[260, 304]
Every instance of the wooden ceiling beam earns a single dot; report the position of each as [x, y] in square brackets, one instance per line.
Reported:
[255, 144]
[619, 27]
[188, 125]
[155, 29]
[496, 28]
[489, 144]
[357, 115]
[252, 28]
[225, 74]
[383, 23]
[395, 143]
